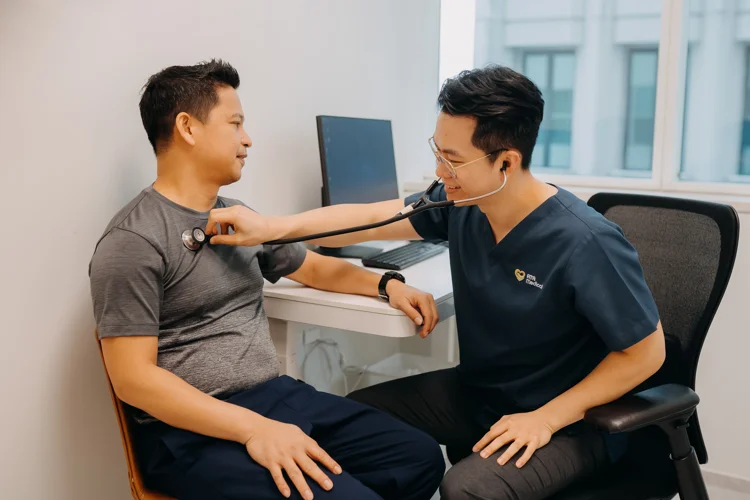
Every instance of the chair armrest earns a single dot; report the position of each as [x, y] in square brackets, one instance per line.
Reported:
[652, 406]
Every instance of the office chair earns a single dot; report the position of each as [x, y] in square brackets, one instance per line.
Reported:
[137, 488]
[687, 249]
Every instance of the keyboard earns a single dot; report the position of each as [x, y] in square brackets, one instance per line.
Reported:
[405, 256]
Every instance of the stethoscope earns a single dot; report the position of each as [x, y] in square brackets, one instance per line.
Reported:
[195, 238]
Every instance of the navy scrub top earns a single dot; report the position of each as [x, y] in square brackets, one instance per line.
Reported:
[538, 311]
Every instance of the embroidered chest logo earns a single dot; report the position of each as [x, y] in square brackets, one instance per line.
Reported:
[529, 279]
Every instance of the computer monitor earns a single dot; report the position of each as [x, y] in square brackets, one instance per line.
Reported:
[357, 160]
[358, 166]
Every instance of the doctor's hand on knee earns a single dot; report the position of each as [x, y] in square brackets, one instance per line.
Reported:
[250, 228]
[531, 430]
[281, 447]
[419, 306]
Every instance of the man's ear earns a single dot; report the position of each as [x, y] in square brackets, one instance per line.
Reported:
[511, 160]
[183, 125]
[508, 160]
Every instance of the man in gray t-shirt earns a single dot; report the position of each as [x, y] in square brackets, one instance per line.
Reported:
[206, 307]
[186, 341]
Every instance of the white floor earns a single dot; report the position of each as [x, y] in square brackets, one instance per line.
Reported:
[717, 493]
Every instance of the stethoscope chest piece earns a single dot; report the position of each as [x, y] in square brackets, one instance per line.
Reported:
[194, 239]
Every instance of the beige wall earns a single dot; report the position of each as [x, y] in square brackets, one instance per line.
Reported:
[72, 151]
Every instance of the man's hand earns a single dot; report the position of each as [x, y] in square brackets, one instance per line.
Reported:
[250, 228]
[284, 447]
[531, 430]
[418, 305]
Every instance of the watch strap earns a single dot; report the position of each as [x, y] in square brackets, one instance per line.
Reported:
[390, 275]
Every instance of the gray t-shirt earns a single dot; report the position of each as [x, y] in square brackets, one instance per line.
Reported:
[206, 307]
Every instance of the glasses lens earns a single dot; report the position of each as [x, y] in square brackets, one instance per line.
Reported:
[439, 160]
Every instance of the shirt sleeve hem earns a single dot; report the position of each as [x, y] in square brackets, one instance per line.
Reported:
[128, 331]
[421, 226]
[634, 335]
[293, 267]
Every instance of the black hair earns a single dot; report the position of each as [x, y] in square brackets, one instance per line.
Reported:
[175, 89]
[508, 108]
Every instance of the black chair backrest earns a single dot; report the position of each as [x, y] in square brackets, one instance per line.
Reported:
[687, 249]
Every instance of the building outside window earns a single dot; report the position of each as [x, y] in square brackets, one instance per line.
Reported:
[554, 74]
[639, 129]
[633, 100]
[744, 167]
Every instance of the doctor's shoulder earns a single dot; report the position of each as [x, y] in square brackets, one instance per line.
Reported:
[583, 225]
[596, 239]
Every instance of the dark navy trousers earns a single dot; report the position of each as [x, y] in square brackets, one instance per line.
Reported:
[382, 458]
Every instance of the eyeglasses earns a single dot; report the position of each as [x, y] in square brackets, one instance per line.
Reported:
[441, 160]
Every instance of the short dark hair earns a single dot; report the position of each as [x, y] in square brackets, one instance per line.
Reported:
[175, 89]
[508, 107]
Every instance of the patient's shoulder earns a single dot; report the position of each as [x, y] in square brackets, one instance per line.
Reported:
[137, 224]
[126, 212]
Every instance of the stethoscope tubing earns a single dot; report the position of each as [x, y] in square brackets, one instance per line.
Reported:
[355, 229]
[195, 238]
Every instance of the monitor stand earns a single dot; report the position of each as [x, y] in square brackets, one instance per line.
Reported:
[349, 252]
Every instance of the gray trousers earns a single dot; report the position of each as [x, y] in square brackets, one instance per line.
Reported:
[457, 416]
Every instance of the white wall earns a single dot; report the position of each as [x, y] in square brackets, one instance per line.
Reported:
[724, 373]
[72, 151]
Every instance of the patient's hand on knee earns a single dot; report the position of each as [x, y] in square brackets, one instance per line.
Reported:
[284, 447]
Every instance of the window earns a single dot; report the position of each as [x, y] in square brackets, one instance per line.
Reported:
[595, 63]
[716, 106]
[639, 132]
[640, 94]
[553, 73]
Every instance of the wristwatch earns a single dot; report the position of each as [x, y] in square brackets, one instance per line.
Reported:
[389, 275]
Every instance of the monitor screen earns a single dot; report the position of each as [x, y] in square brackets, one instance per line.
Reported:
[357, 160]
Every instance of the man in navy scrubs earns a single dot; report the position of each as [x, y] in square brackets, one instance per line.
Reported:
[554, 316]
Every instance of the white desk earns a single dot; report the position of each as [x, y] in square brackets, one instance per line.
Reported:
[291, 306]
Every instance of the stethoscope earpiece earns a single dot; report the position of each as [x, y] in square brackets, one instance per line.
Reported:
[194, 239]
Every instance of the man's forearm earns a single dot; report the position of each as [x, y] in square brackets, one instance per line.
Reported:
[617, 374]
[340, 276]
[332, 218]
[170, 399]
